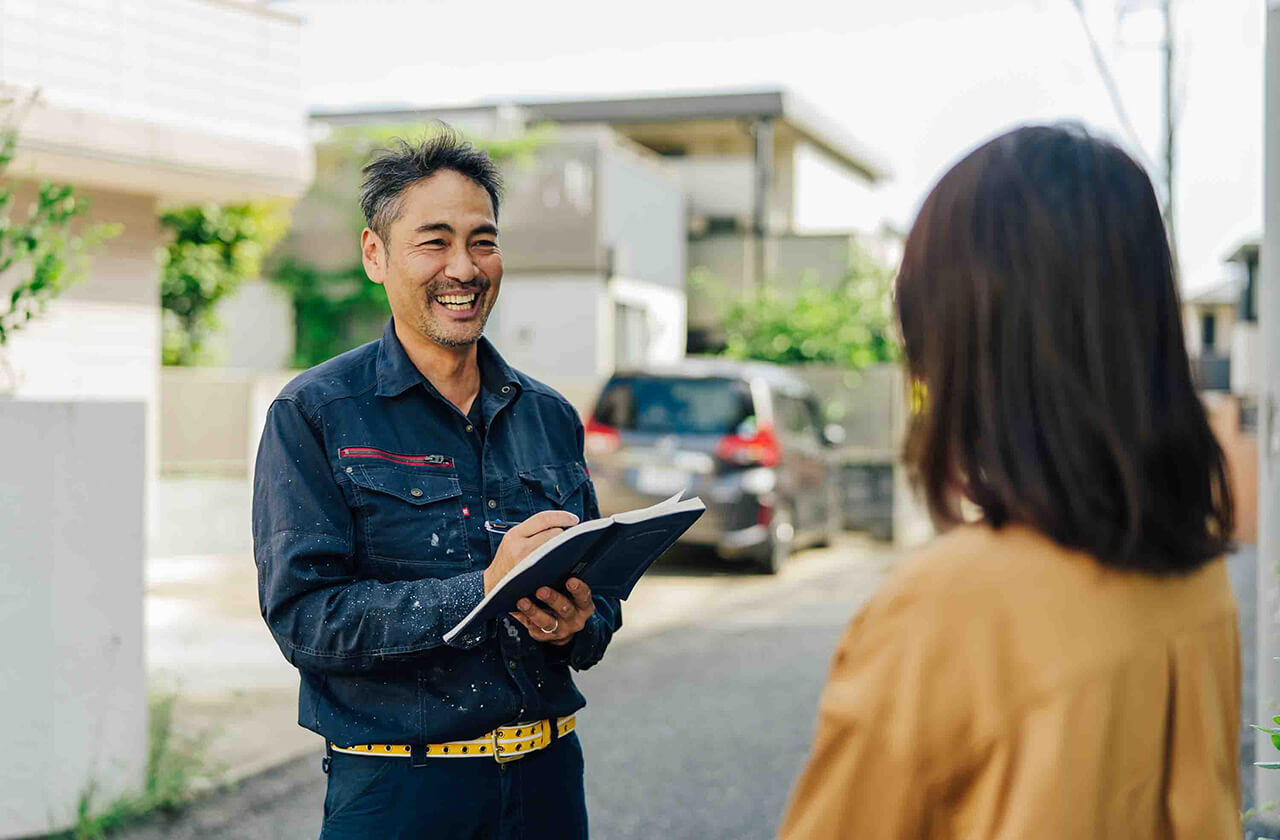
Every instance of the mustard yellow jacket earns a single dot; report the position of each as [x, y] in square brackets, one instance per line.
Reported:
[1000, 686]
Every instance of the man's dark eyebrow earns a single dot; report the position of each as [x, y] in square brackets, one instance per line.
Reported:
[445, 227]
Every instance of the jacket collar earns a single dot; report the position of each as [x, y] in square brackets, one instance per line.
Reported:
[397, 374]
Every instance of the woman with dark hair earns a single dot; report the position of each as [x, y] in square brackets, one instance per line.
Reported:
[1063, 661]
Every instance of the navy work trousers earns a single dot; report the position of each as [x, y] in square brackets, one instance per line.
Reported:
[538, 797]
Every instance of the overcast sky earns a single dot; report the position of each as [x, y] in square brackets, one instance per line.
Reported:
[916, 81]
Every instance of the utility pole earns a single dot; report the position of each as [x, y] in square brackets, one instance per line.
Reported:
[762, 137]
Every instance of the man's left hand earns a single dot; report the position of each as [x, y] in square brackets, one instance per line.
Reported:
[560, 616]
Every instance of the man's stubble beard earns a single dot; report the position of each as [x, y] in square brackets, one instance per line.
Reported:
[427, 323]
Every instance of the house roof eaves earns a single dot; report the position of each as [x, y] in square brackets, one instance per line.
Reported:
[778, 104]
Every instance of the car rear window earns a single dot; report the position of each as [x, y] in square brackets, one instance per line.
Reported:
[670, 405]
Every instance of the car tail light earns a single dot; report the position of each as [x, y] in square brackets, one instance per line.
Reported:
[759, 449]
[601, 439]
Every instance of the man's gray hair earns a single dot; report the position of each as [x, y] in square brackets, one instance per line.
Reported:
[394, 170]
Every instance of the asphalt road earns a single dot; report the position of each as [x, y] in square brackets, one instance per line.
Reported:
[721, 707]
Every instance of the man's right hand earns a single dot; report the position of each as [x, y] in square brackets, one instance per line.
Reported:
[524, 538]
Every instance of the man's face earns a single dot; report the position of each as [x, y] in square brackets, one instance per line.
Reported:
[440, 263]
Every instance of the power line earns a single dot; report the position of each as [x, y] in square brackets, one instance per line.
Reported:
[1109, 82]
[1169, 115]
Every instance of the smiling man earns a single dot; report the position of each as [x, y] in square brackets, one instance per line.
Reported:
[387, 484]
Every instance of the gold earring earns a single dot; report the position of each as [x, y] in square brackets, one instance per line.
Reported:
[919, 396]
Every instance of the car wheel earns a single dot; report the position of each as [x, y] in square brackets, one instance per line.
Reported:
[778, 547]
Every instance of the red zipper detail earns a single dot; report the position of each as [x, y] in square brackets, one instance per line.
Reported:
[442, 461]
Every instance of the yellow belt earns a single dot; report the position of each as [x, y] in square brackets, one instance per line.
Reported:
[506, 743]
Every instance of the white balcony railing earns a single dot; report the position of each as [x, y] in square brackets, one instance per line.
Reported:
[216, 66]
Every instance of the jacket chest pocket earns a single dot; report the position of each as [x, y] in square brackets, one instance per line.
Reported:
[411, 516]
[554, 487]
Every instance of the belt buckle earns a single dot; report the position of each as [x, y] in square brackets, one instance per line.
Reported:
[497, 749]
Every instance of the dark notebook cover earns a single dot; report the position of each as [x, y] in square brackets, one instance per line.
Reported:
[608, 554]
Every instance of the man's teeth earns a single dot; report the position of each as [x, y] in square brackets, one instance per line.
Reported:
[457, 302]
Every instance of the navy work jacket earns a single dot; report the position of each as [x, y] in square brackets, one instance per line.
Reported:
[371, 493]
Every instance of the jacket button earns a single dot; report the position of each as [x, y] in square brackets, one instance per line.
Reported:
[416, 492]
[493, 503]
[470, 428]
[506, 389]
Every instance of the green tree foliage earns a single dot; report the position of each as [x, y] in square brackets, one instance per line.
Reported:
[215, 248]
[333, 310]
[335, 305]
[42, 250]
[851, 325]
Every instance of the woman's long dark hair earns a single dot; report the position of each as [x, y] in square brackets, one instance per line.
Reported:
[1042, 322]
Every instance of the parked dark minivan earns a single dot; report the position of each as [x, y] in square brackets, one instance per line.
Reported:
[745, 436]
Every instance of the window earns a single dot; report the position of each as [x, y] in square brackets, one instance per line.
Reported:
[1208, 333]
[662, 405]
[631, 339]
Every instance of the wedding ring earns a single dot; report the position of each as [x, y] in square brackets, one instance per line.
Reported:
[553, 629]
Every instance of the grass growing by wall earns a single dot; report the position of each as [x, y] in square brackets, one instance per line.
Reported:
[177, 764]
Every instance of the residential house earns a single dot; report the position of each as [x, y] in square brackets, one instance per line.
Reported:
[1221, 327]
[142, 105]
[730, 159]
[139, 104]
[593, 251]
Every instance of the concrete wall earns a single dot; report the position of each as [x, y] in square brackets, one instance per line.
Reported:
[589, 197]
[1241, 450]
[556, 328]
[870, 405]
[211, 418]
[71, 586]
[717, 185]
[204, 421]
[1245, 363]
[551, 219]
[642, 216]
[719, 272]
[720, 266]
[257, 330]
[821, 258]
[723, 185]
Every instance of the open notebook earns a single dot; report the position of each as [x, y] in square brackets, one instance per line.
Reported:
[608, 554]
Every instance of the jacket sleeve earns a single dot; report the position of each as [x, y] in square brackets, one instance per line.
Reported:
[588, 646]
[323, 617]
